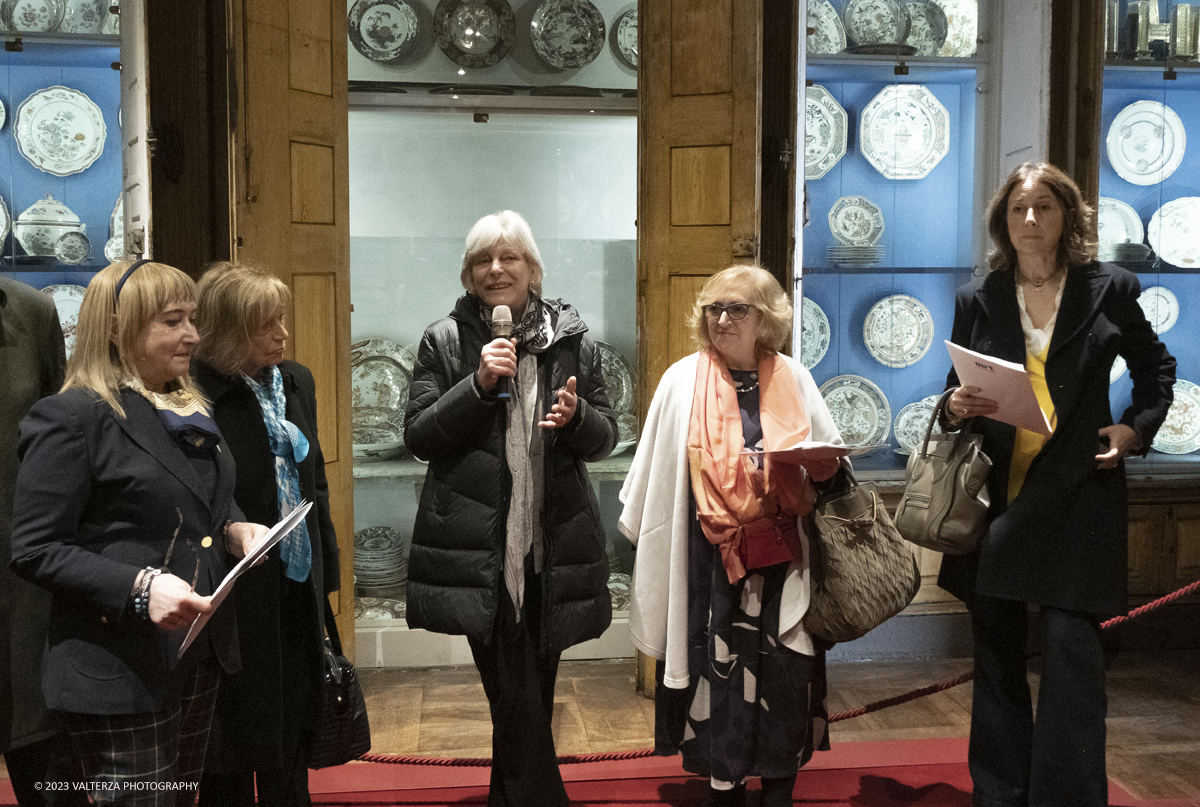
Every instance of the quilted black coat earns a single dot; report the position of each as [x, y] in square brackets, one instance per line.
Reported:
[455, 574]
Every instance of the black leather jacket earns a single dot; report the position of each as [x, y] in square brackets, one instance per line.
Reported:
[455, 574]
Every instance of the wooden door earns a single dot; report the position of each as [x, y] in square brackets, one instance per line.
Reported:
[698, 155]
[290, 209]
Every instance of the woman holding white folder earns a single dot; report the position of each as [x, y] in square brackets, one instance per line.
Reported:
[721, 582]
[1057, 535]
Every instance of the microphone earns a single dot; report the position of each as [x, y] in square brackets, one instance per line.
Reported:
[502, 327]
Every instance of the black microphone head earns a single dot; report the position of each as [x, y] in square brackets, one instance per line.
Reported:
[502, 323]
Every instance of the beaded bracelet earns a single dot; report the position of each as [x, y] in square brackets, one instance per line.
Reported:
[141, 598]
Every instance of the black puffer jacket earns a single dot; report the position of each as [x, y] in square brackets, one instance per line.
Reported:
[455, 573]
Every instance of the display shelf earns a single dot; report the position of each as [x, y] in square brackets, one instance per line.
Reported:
[411, 470]
[887, 270]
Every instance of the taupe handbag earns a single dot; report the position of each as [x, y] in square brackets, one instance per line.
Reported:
[945, 502]
[863, 573]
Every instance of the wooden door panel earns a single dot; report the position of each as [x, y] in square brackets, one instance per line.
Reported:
[701, 46]
[1146, 524]
[699, 185]
[1182, 552]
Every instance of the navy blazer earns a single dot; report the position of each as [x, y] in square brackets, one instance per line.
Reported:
[1063, 540]
[100, 497]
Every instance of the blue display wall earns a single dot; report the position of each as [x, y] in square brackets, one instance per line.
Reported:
[90, 194]
[927, 238]
[1125, 84]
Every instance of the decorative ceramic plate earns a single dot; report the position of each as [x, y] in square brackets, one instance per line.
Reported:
[116, 220]
[962, 27]
[114, 249]
[84, 17]
[5, 221]
[627, 41]
[380, 562]
[1161, 307]
[72, 248]
[911, 423]
[1118, 223]
[859, 409]
[382, 30]
[67, 300]
[475, 33]
[567, 33]
[875, 22]
[815, 334]
[1174, 232]
[3, 114]
[1146, 142]
[825, 125]
[32, 16]
[898, 330]
[1118, 369]
[928, 28]
[626, 433]
[112, 23]
[856, 221]
[375, 443]
[380, 372]
[829, 35]
[1180, 432]
[905, 131]
[59, 130]
[618, 379]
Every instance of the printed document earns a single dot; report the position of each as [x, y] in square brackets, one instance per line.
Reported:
[277, 534]
[1004, 382]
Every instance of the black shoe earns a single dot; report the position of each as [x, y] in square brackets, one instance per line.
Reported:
[727, 798]
[778, 792]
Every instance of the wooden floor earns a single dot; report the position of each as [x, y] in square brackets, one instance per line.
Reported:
[1153, 722]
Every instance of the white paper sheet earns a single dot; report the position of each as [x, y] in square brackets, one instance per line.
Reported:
[277, 534]
[1004, 382]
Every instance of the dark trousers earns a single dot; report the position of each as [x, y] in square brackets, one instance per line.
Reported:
[279, 787]
[518, 680]
[152, 759]
[1057, 760]
[39, 770]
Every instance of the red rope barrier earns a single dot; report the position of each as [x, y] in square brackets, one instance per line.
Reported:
[641, 753]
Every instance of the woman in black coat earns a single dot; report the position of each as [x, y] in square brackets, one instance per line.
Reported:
[1057, 535]
[266, 408]
[508, 548]
[123, 512]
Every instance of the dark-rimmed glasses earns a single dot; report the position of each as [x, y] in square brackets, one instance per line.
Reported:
[736, 311]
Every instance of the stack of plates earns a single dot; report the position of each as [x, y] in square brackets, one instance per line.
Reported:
[1131, 252]
[848, 255]
[380, 563]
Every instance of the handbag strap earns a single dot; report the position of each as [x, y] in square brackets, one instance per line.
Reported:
[331, 628]
[963, 433]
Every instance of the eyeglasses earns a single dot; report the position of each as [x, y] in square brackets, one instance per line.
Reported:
[736, 311]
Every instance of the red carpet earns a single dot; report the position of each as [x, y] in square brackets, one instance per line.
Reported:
[903, 773]
[910, 773]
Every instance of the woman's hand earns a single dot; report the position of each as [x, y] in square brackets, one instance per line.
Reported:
[965, 402]
[173, 604]
[1122, 441]
[498, 358]
[242, 536]
[564, 409]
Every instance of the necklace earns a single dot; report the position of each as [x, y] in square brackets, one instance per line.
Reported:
[1038, 286]
[750, 388]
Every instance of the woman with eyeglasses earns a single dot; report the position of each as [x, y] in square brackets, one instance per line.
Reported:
[125, 513]
[721, 577]
[508, 548]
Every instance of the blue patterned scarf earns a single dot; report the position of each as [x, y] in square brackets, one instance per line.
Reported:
[290, 447]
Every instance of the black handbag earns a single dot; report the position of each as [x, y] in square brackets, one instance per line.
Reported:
[945, 502]
[342, 731]
[863, 573]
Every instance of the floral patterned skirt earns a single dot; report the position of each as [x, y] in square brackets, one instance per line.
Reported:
[752, 706]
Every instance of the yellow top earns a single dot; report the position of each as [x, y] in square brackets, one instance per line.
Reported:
[1028, 444]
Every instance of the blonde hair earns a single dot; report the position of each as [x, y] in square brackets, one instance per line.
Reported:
[509, 228]
[108, 329]
[761, 290]
[234, 302]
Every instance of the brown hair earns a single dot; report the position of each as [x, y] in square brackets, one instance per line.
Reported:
[762, 291]
[108, 329]
[235, 301]
[1076, 246]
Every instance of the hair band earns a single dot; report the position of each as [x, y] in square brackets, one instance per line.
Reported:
[121, 283]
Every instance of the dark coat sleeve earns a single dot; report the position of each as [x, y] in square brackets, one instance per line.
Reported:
[1151, 366]
[592, 433]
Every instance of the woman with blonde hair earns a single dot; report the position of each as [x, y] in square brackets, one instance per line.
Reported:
[721, 578]
[267, 408]
[125, 513]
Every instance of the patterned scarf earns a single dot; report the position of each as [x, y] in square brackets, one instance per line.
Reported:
[290, 447]
[523, 449]
[185, 417]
